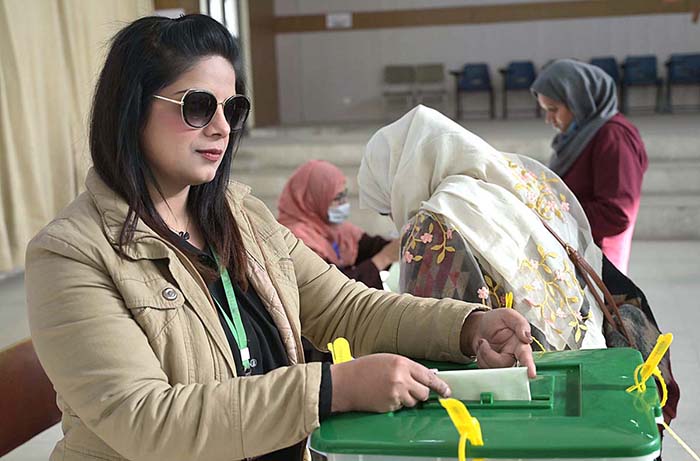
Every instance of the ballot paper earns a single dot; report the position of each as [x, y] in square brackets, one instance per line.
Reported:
[503, 383]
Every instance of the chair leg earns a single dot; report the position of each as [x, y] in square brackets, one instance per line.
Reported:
[505, 103]
[659, 103]
[669, 102]
[623, 99]
[492, 110]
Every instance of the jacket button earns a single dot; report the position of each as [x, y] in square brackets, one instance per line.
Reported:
[169, 294]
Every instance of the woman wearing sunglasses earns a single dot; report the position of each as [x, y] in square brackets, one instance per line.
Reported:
[167, 305]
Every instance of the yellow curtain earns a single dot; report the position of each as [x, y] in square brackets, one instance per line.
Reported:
[50, 55]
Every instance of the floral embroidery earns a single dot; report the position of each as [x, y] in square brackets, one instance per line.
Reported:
[497, 292]
[537, 193]
[408, 257]
[427, 237]
[483, 294]
[548, 292]
[542, 348]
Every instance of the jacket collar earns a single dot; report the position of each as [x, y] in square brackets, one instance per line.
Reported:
[113, 210]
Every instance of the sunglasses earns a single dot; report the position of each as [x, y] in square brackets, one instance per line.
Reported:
[198, 107]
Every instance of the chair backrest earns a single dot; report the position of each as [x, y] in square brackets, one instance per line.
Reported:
[475, 77]
[639, 70]
[430, 73]
[399, 75]
[609, 65]
[684, 68]
[27, 398]
[519, 75]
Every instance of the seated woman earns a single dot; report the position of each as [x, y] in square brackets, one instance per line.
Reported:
[472, 223]
[314, 206]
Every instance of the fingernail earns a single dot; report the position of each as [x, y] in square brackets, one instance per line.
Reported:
[528, 335]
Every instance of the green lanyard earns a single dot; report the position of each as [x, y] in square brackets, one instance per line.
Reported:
[233, 318]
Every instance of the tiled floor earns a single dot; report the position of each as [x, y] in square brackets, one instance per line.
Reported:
[668, 272]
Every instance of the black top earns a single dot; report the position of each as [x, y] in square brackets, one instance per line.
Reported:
[267, 351]
[264, 342]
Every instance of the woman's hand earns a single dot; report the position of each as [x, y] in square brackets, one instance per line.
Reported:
[381, 383]
[387, 255]
[498, 338]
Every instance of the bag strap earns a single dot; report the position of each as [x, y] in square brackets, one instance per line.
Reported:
[588, 273]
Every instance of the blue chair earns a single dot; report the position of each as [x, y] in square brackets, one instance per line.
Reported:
[682, 69]
[518, 76]
[609, 65]
[639, 71]
[471, 79]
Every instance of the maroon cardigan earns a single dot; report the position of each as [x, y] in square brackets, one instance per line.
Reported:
[607, 180]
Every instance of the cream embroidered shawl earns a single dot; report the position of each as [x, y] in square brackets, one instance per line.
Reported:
[495, 201]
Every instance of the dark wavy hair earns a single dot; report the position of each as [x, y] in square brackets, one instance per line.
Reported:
[145, 56]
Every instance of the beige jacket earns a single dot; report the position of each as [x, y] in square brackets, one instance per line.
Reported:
[140, 361]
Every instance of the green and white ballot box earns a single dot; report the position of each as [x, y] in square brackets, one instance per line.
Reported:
[579, 410]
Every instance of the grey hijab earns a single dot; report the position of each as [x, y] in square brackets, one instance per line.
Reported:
[589, 93]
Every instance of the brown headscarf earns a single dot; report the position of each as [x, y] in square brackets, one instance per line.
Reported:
[303, 208]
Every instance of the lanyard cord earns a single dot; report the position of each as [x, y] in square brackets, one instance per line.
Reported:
[233, 316]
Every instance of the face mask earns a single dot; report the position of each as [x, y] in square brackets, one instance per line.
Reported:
[338, 214]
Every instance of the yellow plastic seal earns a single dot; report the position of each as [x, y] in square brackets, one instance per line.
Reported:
[509, 300]
[340, 350]
[467, 426]
[650, 367]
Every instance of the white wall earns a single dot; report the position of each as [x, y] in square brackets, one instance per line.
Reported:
[336, 76]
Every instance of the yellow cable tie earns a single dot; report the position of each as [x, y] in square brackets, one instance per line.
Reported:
[639, 384]
[467, 426]
[664, 390]
[643, 372]
[340, 350]
[681, 442]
